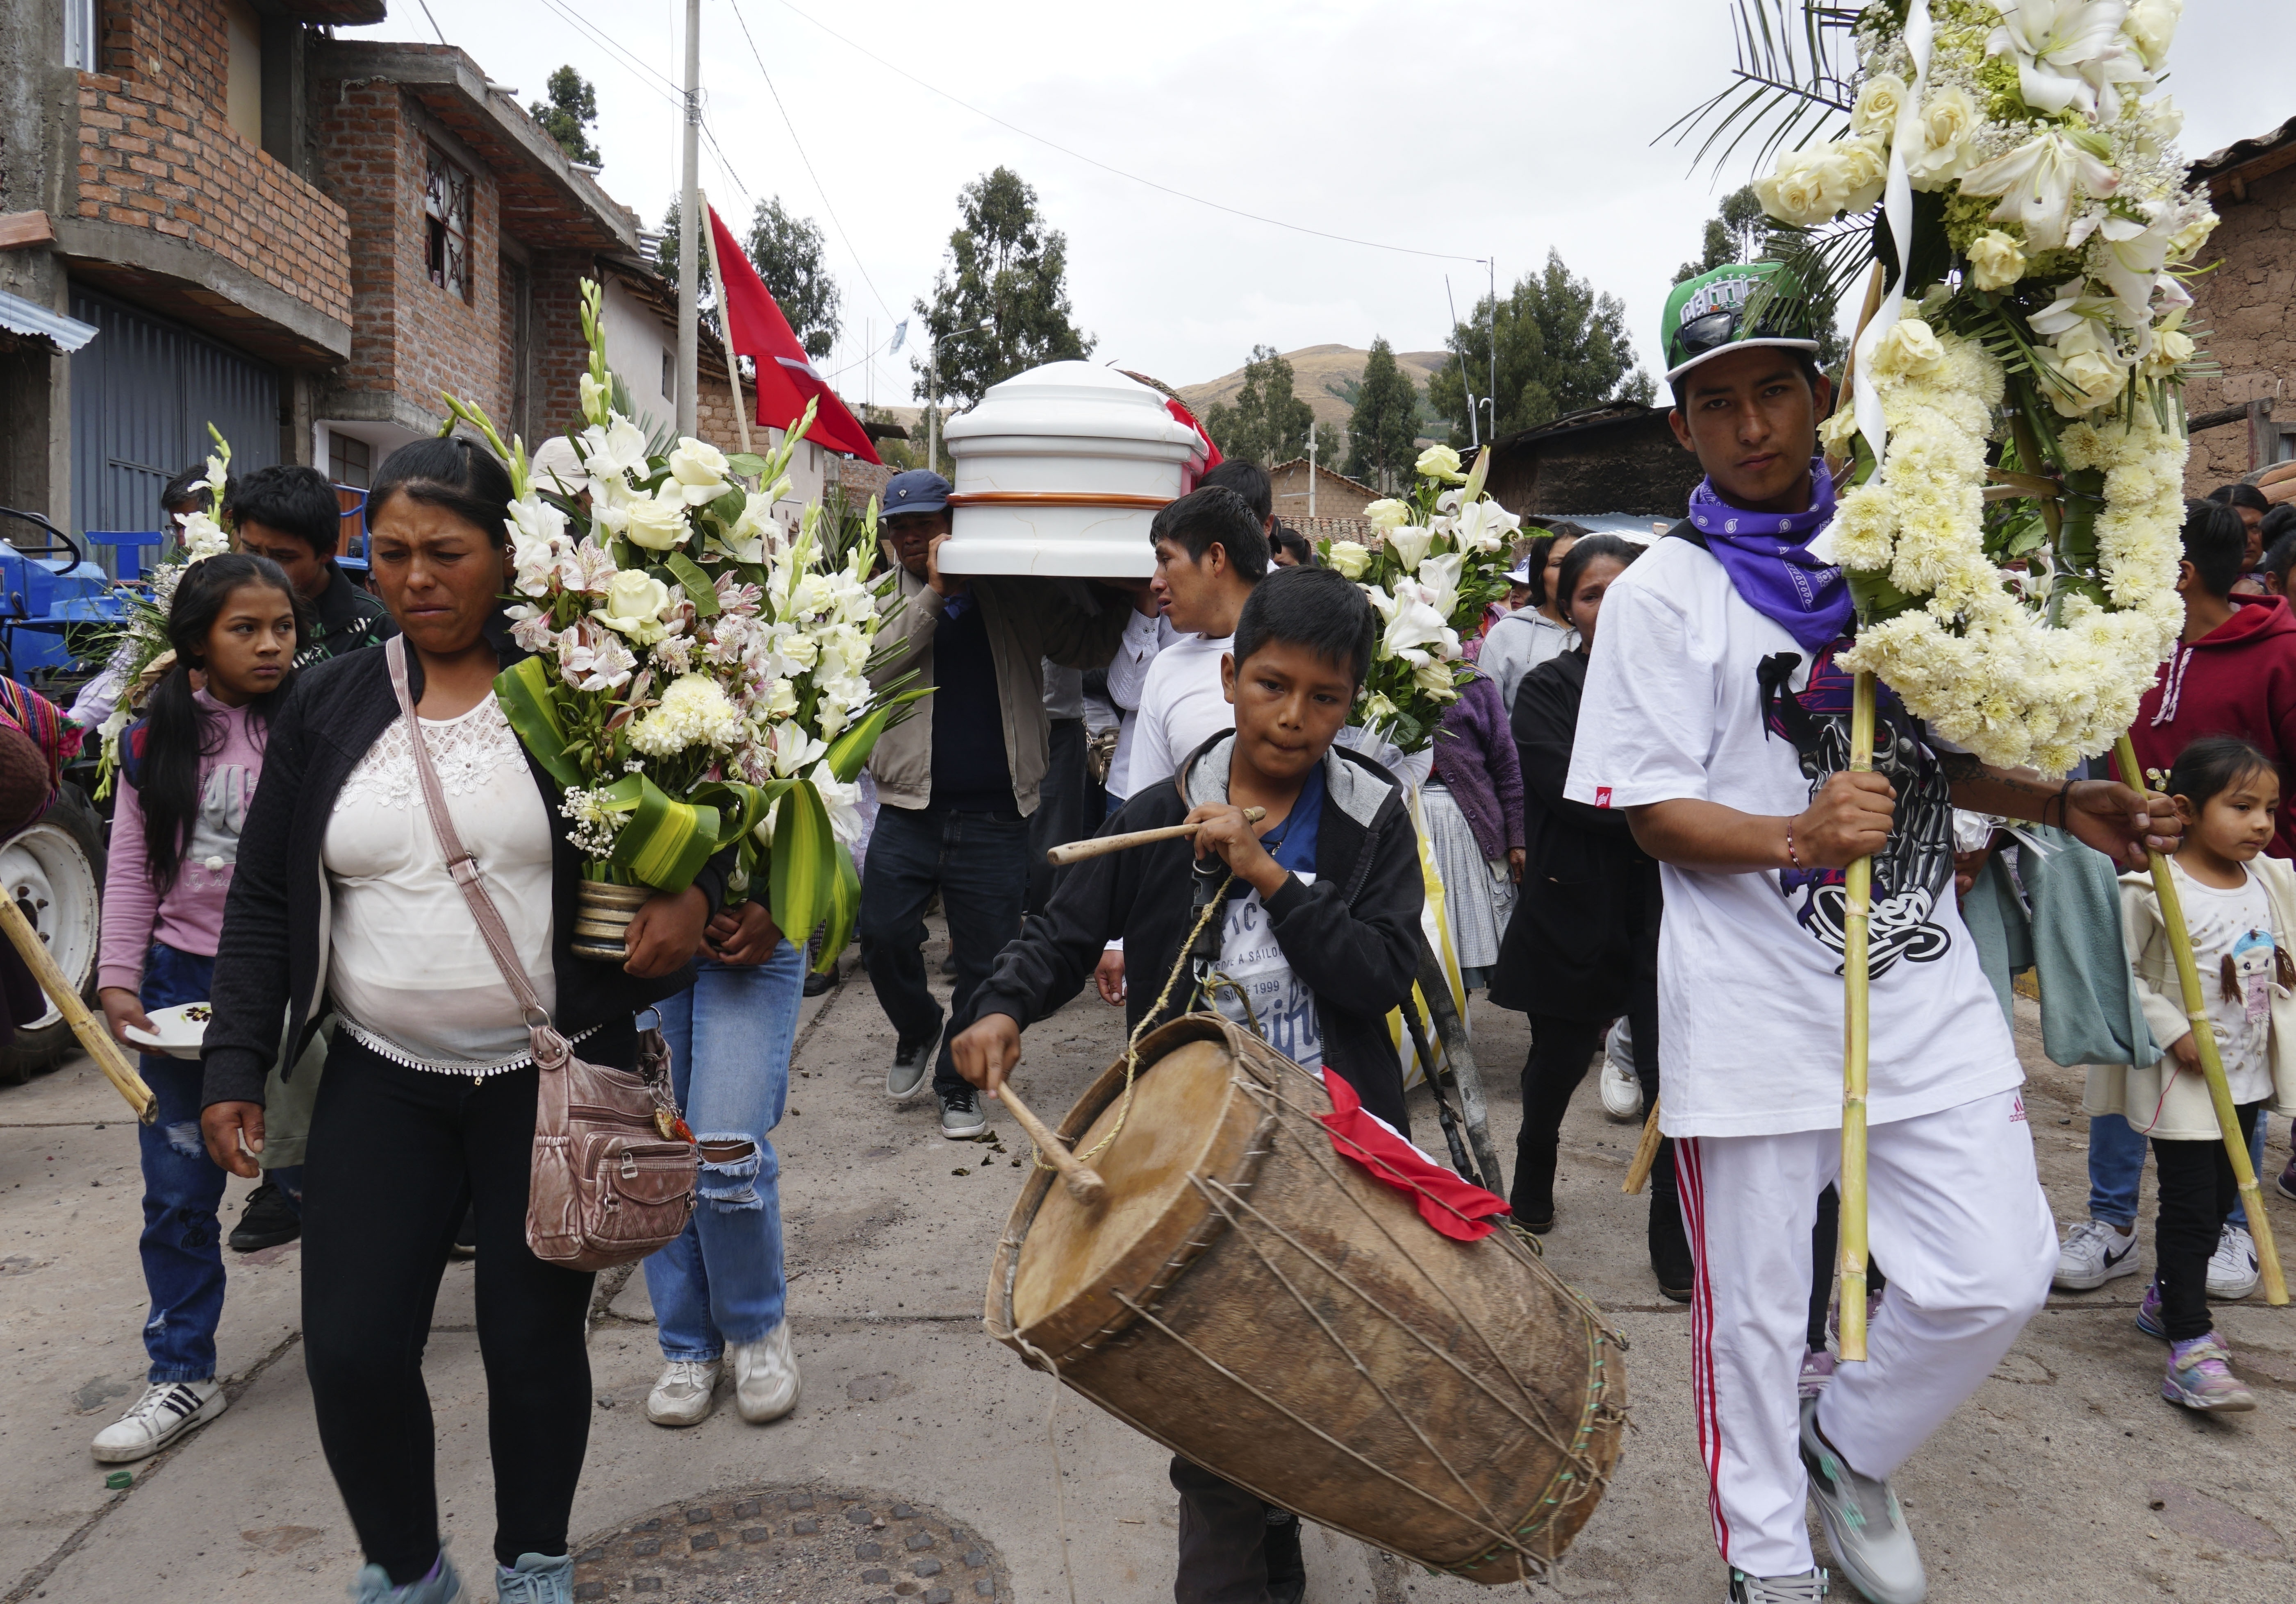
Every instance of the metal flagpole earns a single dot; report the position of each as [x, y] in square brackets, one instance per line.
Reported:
[689, 253]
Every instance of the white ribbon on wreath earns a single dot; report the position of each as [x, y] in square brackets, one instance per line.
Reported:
[1898, 205]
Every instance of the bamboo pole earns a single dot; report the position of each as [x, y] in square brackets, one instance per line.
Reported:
[91, 1033]
[2196, 1011]
[1856, 1030]
[725, 326]
[1645, 1155]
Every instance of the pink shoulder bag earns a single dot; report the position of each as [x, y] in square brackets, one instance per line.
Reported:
[612, 1181]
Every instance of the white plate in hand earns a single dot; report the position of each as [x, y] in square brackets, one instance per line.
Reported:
[177, 1032]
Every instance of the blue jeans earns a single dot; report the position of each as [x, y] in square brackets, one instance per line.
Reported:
[980, 864]
[729, 1036]
[181, 1246]
[2116, 1164]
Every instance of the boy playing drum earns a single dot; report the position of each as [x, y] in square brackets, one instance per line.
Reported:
[1318, 930]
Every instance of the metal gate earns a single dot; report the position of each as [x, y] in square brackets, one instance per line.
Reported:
[143, 394]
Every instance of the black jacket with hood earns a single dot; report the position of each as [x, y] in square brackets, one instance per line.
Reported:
[1352, 937]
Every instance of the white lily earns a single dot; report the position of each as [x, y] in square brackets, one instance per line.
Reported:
[2131, 261]
[2037, 183]
[1438, 577]
[2068, 52]
[1485, 526]
[1409, 544]
[1414, 624]
[840, 801]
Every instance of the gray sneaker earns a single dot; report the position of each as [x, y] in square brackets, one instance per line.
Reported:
[1807, 1587]
[536, 1579]
[961, 1116]
[442, 1586]
[912, 1062]
[1862, 1523]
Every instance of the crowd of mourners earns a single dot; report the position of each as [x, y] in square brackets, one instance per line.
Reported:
[1629, 798]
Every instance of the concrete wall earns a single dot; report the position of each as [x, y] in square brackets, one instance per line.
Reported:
[2245, 305]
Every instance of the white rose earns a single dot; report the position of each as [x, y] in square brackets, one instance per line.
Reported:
[1910, 347]
[1947, 120]
[2151, 26]
[1388, 513]
[1439, 462]
[656, 523]
[1795, 191]
[1349, 557]
[698, 469]
[1878, 104]
[2171, 349]
[2079, 358]
[1434, 677]
[1857, 172]
[635, 604]
[1995, 260]
[2186, 243]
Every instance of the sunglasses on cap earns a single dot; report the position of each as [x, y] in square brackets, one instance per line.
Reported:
[1721, 327]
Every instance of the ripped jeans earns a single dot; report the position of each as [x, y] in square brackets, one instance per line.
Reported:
[181, 1248]
[720, 1282]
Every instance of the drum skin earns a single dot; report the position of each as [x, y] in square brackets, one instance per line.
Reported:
[1263, 1307]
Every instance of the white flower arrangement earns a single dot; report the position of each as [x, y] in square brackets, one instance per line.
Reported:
[1443, 557]
[2015, 434]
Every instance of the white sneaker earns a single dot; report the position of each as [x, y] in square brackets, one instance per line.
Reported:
[166, 1410]
[685, 1393]
[1622, 1093]
[765, 1376]
[2093, 1253]
[2232, 1270]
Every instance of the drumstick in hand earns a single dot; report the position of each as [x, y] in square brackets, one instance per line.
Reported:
[1084, 1183]
[1061, 858]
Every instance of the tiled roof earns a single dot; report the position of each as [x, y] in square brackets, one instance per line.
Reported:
[1300, 462]
[2240, 152]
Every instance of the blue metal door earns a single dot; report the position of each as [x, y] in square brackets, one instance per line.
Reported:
[143, 394]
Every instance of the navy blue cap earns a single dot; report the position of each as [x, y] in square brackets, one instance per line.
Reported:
[915, 490]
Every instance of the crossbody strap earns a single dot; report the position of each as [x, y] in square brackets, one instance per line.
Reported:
[460, 862]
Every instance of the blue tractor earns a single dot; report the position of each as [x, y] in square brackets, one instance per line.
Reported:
[56, 610]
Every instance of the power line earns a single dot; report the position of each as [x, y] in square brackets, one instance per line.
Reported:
[669, 91]
[819, 187]
[1441, 255]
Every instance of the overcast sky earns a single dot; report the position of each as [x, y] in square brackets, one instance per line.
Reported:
[1477, 130]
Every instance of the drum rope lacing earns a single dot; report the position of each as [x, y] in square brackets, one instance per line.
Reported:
[1132, 1042]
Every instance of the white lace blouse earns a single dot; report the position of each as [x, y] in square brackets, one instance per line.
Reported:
[407, 968]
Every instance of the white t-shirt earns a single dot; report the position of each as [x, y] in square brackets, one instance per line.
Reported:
[1145, 636]
[1181, 707]
[1750, 965]
[1281, 1002]
[407, 966]
[2234, 925]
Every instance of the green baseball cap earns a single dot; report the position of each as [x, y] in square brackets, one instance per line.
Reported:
[1706, 317]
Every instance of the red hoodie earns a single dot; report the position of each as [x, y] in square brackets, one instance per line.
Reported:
[2239, 679]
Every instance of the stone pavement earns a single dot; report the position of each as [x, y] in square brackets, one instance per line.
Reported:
[2065, 1478]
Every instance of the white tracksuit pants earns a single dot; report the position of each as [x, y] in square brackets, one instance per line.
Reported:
[1957, 1221]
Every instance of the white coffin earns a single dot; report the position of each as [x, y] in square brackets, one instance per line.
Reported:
[1060, 471]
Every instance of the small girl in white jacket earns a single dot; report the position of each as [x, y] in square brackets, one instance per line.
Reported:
[2241, 909]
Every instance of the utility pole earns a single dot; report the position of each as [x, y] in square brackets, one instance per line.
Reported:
[1493, 264]
[932, 411]
[1311, 470]
[689, 233]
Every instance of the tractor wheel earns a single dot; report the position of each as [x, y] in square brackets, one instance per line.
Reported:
[54, 872]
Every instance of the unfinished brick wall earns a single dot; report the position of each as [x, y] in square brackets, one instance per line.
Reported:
[156, 152]
[2245, 306]
[409, 335]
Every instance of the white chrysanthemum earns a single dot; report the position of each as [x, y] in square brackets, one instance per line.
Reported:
[694, 711]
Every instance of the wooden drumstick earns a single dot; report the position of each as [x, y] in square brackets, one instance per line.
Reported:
[1061, 858]
[1645, 1155]
[1083, 1182]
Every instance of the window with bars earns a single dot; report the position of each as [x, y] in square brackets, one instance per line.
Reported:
[447, 221]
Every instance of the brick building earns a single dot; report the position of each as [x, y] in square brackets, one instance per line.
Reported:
[1335, 508]
[302, 238]
[2244, 419]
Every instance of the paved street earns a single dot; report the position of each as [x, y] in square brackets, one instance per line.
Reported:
[2066, 1479]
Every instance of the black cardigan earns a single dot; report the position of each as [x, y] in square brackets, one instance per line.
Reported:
[1589, 915]
[1353, 937]
[267, 969]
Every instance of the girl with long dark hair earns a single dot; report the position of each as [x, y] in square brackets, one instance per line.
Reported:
[189, 769]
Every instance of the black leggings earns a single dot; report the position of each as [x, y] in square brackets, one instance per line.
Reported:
[396, 1156]
[1560, 1050]
[2197, 1192]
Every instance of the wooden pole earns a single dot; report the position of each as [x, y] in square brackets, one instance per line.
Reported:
[1645, 1156]
[90, 1031]
[1092, 846]
[1084, 1183]
[1856, 1030]
[726, 322]
[2196, 1011]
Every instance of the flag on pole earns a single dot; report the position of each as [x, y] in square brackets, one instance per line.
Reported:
[900, 333]
[787, 379]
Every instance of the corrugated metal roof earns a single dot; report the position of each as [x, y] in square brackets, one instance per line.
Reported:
[22, 316]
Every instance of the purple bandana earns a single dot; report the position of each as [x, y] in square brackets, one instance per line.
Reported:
[1768, 558]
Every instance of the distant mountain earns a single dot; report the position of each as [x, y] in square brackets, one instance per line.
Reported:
[1315, 369]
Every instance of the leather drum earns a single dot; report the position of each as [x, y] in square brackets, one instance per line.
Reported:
[1263, 1307]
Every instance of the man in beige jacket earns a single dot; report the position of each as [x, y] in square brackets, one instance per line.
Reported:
[958, 781]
